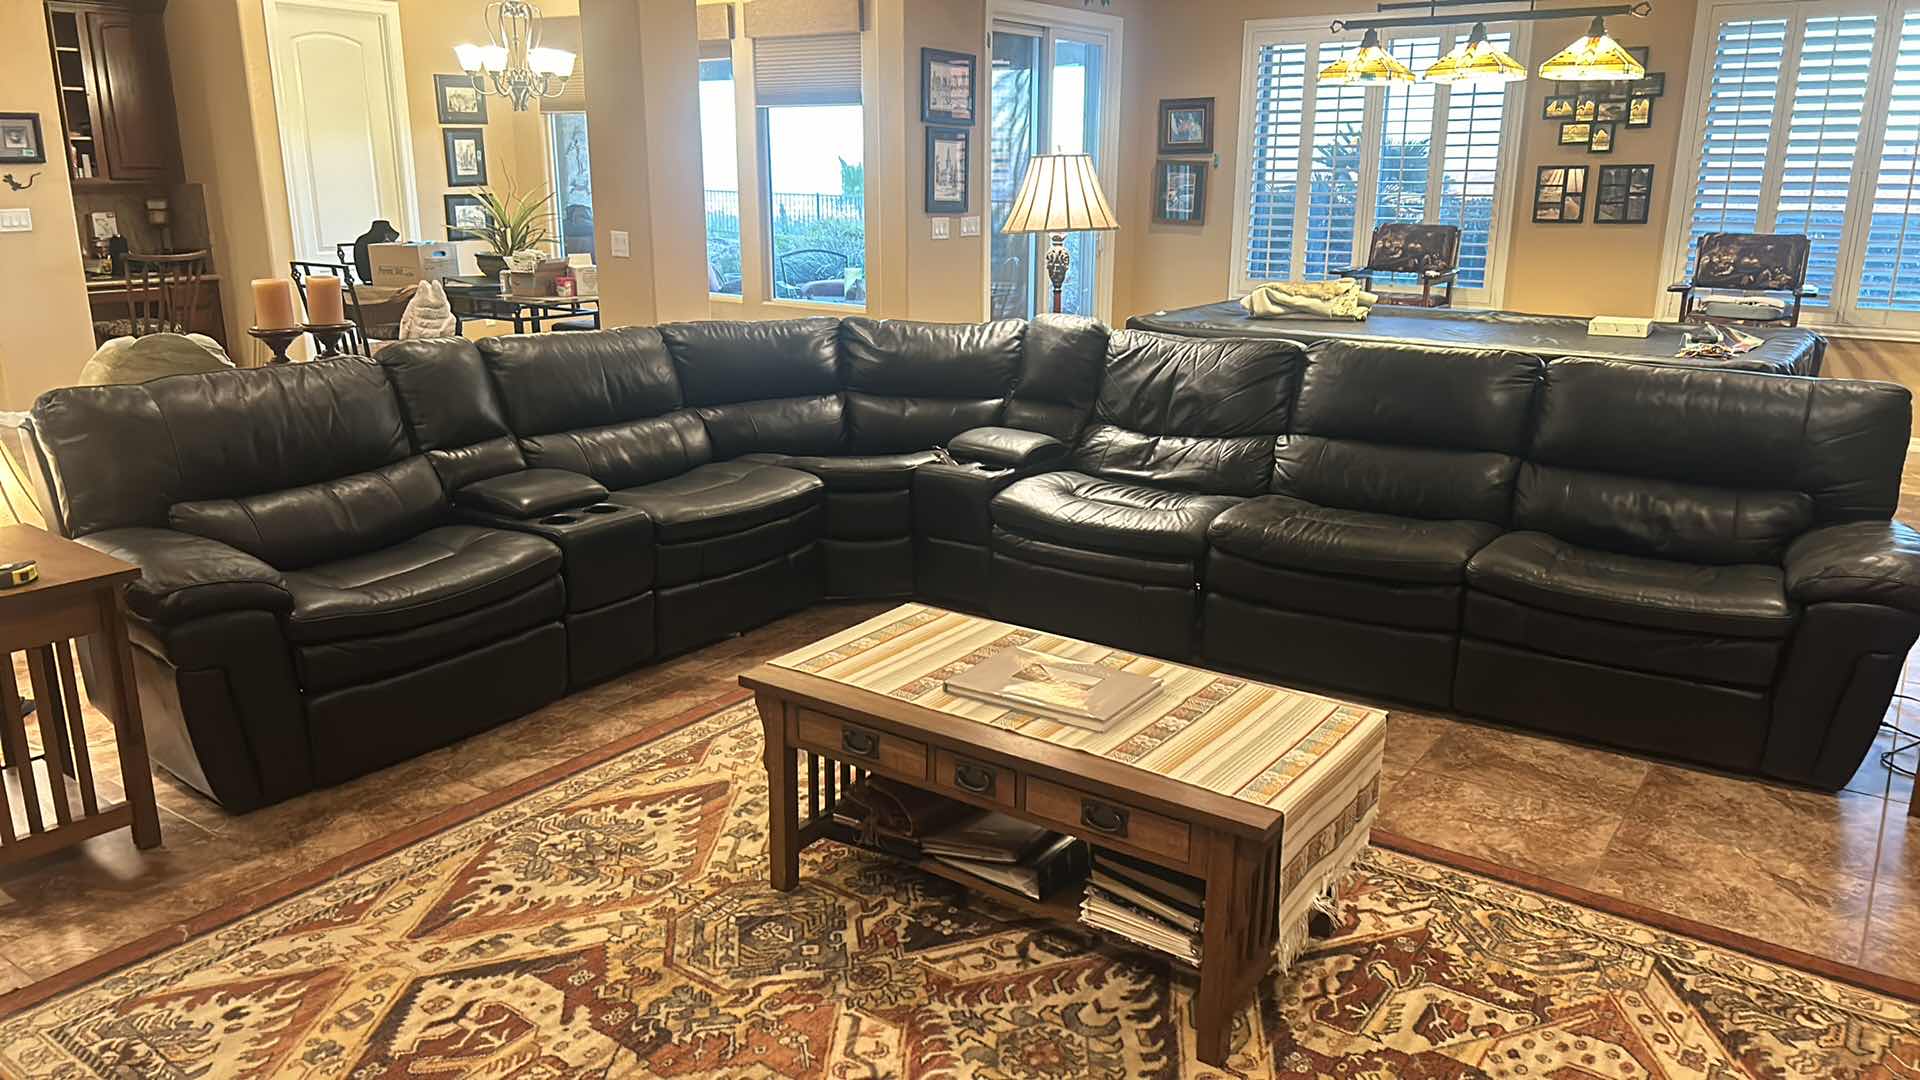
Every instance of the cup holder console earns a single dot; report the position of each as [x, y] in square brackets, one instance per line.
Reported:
[558, 519]
[604, 508]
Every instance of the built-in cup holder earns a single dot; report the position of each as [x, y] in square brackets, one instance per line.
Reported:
[558, 519]
[603, 508]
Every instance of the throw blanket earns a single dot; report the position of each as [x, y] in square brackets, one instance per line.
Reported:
[1341, 299]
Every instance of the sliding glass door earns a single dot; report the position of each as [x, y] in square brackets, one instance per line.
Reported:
[1049, 88]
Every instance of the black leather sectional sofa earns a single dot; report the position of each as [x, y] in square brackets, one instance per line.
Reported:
[348, 562]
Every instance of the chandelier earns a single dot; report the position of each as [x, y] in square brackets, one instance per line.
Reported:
[514, 65]
[1477, 61]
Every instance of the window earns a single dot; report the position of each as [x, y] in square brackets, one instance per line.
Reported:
[1789, 138]
[721, 166]
[572, 181]
[814, 142]
[1328, 163]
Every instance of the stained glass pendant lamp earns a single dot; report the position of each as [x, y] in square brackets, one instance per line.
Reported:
[1371, 66]
[1595, 57]
[1475, 62]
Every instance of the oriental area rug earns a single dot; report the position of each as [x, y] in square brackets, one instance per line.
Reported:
[611, 918]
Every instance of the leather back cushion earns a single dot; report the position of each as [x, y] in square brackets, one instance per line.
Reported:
[558, 382]
[1662, 519]
[1196, 414]
[1840, 442]
[762, 387]
[914, 385]
[1060, 370]
[1419, 431]
[628, 453]
[451, 410]
[333, 519]
[124, 454]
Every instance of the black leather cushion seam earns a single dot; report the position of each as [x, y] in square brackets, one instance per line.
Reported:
[1562, 654]
[402, 608]
[1209, 586]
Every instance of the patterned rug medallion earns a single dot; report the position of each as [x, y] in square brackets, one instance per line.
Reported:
[616, 922]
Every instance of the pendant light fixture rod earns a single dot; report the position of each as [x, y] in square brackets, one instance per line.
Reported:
[1638, 10]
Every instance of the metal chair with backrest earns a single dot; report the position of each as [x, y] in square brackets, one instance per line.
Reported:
[1741, 277]
[795, 270]
[166, 294]
[380, 328]
[1429, 252]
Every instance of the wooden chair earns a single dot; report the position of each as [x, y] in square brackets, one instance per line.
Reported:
[1430, 252]
[1746, 265]
[166, 294]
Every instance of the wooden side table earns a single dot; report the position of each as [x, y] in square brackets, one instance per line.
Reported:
[79, 594]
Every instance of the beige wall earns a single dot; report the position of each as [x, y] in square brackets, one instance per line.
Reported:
[1172, 54]
[46, 329]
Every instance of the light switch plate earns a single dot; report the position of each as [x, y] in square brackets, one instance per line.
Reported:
[622, 247]
[942, 228]
[970, 225]
[20, 220]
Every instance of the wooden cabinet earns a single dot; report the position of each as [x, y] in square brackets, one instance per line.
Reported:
[116, 91]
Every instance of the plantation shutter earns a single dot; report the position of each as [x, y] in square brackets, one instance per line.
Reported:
[1333, 181]
[1737, 130]
[1280, 95]
[1890, 275]
[1470, 168]
[1829, 103]
[819, 70]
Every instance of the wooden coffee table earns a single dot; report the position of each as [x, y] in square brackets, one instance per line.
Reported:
[1265, 794]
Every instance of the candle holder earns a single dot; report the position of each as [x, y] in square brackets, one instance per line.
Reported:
[331, 339]
[279, 339]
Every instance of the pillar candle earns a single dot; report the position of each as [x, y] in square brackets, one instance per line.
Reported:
[325, 307]
[273, 307]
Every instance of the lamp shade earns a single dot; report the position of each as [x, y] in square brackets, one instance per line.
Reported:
[1475, 62]
[1060, 193]
[1371, 65]
[1594, 57]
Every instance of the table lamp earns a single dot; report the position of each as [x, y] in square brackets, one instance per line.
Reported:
[1060, 194]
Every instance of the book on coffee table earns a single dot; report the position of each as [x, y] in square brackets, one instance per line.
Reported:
[1060, 862]
[987, 836]
[1055, 687]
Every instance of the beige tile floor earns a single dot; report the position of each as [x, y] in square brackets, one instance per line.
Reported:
[1834, 875]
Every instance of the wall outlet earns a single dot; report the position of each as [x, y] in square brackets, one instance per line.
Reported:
[622, 247]
[20, 220]
[942, 228]
[970, 225]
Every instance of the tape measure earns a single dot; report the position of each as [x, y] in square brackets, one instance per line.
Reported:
[15, 574]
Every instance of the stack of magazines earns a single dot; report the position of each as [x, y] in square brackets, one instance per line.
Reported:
[1146, 904]
[1054, 687]
[909, 822]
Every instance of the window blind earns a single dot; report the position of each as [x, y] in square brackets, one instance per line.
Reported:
[1890, 273]
[563, 32]
[1280, 94]
[1333, 180]
[1406, 143]
[818, 70]
[1737, 129]
[1823, 128]
[1470, 168]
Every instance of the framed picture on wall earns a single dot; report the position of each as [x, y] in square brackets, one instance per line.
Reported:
[466, 149]
[1180, 192]
[949, 165]
[1576, 134]
[1186, 125]
[1622, 194]
[1618, 90]
[1601, 139]
[946, 87]
[465, 213]
[1642, 53]
[20, 141]
[1640, 112]
[1586, 107]
[1560, 194]
[458, 101]
[1654, 85]
[1611, 111]
[1558, 107]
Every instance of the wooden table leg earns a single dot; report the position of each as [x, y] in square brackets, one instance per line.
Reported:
[1222, 928]
[783, 796]
[116, 667]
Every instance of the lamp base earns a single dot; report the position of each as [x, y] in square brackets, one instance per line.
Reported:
[1058, 260]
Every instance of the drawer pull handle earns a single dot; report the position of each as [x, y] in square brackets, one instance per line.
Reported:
[1103, 817]
[855, 741]
[975, 778]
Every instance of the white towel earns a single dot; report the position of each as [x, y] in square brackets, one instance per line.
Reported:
[1341, 299]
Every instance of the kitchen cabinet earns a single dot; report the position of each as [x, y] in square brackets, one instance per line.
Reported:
[116, 90]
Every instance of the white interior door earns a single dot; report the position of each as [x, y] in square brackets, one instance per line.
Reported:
[337, 74]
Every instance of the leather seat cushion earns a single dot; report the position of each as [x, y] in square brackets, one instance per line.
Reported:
[329, 665]
[441, 573]
[1082, 511]
[1147, 570]
[1298, 535]
[1742, 600]
[860, 472]
[1735, 661]
[720, 498]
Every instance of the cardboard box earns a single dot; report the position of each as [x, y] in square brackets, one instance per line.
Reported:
[537, 282]
[404, 264]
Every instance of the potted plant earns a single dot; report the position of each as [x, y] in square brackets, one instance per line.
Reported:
[516, 221]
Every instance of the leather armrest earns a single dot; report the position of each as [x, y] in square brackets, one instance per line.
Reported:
[529, 493]
[1866, 562]
[183, 576]
[1012, 448]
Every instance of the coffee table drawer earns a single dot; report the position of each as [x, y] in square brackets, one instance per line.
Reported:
[852, 743]
[1097, 817]
[975, 777]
